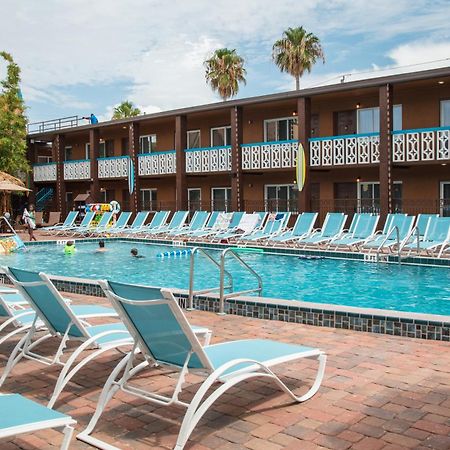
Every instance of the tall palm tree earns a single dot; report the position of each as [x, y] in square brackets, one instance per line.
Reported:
[296, 52]
[224, 71]
[124, 110]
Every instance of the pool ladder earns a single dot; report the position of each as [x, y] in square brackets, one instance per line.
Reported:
[226, 279]
[397, 235]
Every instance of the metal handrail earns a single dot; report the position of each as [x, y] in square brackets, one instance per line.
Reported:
[224, 296]
[416, 233]
[8, 224]
[196, 250]
[397, 232]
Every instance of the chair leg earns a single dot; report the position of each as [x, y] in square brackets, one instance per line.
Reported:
[13, 333]
[68, 433]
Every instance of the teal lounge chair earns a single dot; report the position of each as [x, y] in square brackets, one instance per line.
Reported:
[68, 223]
[119, 226]
[158, 221]
[240, 232]
[214, 225]
[20, 415]
[137, 224]
[84, 225]
[303, 227]
[332, 227]
[102, 224]
[232, 227]
[365, 226]
[151, 318]
[275, 224]
[197, 223]
[177, 221]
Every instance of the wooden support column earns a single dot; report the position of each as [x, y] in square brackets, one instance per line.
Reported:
[236, 166]
[133, 139]
[304, 133]
[180, 146]
[59, 143]
[31, 156]
[94, 152]
[385, 148]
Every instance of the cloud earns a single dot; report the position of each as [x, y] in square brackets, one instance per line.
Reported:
[420, 52]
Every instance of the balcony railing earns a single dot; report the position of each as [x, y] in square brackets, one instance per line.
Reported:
[269, 155]
[77, 170]
[157, 163]
[56, 124]
[424, 144]
[113, 167]
[44, 172]
[210, 159]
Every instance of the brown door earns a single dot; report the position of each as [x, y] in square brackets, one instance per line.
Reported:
[345, 198]
[344, 122]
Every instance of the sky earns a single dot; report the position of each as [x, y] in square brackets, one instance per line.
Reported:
[85, 56]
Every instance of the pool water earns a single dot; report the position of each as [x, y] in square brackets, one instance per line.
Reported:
[340, 282]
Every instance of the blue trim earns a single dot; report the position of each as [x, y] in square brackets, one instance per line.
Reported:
[112, 157]
[44, 164]
[76, 161]
[206, 149]
[166, 152]
[343, 136]
[420, 130]
[254, 144]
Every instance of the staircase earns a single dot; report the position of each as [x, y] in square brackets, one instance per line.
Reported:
[43, 197]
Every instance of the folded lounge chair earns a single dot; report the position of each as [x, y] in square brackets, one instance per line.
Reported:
[177, 221]
[248, 224]
[151, 319]
[20, 415]
[68, 223]
[363, 230]
[302, 228]
[332, 227]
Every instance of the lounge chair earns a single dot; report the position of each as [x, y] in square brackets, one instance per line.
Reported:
[137, 224]
[364, 229]
[85, 225]
[303, 227]
[231, 228]
[437, 235]
[151, 317]
[418, 231]
[20, 415]
[54, 217]
[68, 223]
[248, 224]
[117, 227]
[102, 225]
[39, 219]
[177, 221]
[158, 221]
[218, 222]
[197, 223]
[332, 227]
[275, 224]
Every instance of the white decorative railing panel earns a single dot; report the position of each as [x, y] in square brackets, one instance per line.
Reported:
[44, 172]
[211, 159]
[158, 163]
[113, 167]
[77, 170]
[269, 155]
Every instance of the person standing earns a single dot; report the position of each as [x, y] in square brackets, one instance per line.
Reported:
[30, 221]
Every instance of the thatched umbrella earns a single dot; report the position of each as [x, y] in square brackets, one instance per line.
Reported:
[9, 184]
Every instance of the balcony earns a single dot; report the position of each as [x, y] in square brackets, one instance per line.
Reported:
[77, 170]
[157, 163]
[113, 167]
[44, 172]
[269, 155]
[209, 159]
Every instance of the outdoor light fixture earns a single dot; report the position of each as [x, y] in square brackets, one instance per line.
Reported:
[294, 113]
[358, 180]
[441, 82]
[358, 105]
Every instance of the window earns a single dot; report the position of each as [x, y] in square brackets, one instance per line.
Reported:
[284, 129]
[41, 159]
[69, 199]
[87, 151]
[220, 136]
[107, 195]
[445, 198]
[193, 139]
[445, 113]
[369, 196]
[149, 199]
[106, 148]
[368, 119]
[194, 199]
[68, 153]
[280, 197]
[220, 199]
[147, 144]
[125, 146]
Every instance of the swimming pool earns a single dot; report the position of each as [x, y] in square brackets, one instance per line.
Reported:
[341, 282]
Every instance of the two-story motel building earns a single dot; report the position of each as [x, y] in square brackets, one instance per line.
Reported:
[381, 144]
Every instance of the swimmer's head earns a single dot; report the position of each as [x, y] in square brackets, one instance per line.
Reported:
[134, 251]
[101, 244]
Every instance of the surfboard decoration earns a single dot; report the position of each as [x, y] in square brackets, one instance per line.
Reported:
[130, 176]
[300, 169]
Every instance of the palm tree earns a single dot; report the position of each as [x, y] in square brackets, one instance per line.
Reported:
[125, 109]
[296, 52]
[224, 71]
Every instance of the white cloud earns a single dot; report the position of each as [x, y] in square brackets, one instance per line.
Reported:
[421, 51]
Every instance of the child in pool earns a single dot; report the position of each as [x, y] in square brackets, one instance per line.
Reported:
[69, 249]
[134, 253]
[101, 247]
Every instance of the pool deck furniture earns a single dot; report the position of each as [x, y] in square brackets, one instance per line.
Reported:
[178, 220]
[231, 228]
[197, 223]
[39, 218]
[217, 222]
[54, 217]
[77, 229]
[303, 227]
[21, 415]
[119, 225]
[68, 223]
[136, 225]
[275, 224]
[248, 224]
[102, 224]
[332, 227]
[158, 221]
[150, 319]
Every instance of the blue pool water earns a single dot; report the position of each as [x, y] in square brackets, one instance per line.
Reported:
[342, 282]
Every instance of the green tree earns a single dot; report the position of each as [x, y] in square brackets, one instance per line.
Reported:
[13, 123]
[124, 110]
[224, 71]
[296, 52]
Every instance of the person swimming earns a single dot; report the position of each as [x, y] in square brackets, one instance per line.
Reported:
[135, 254]
[69, 248]
[101, 247]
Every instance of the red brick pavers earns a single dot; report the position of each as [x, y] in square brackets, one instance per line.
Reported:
[379, 392]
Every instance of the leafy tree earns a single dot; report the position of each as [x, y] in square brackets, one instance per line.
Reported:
[124, 110]
[13, 123]
[296, 52]
[224, 71]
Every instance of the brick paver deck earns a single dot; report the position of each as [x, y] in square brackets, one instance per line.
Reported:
[379, 392]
